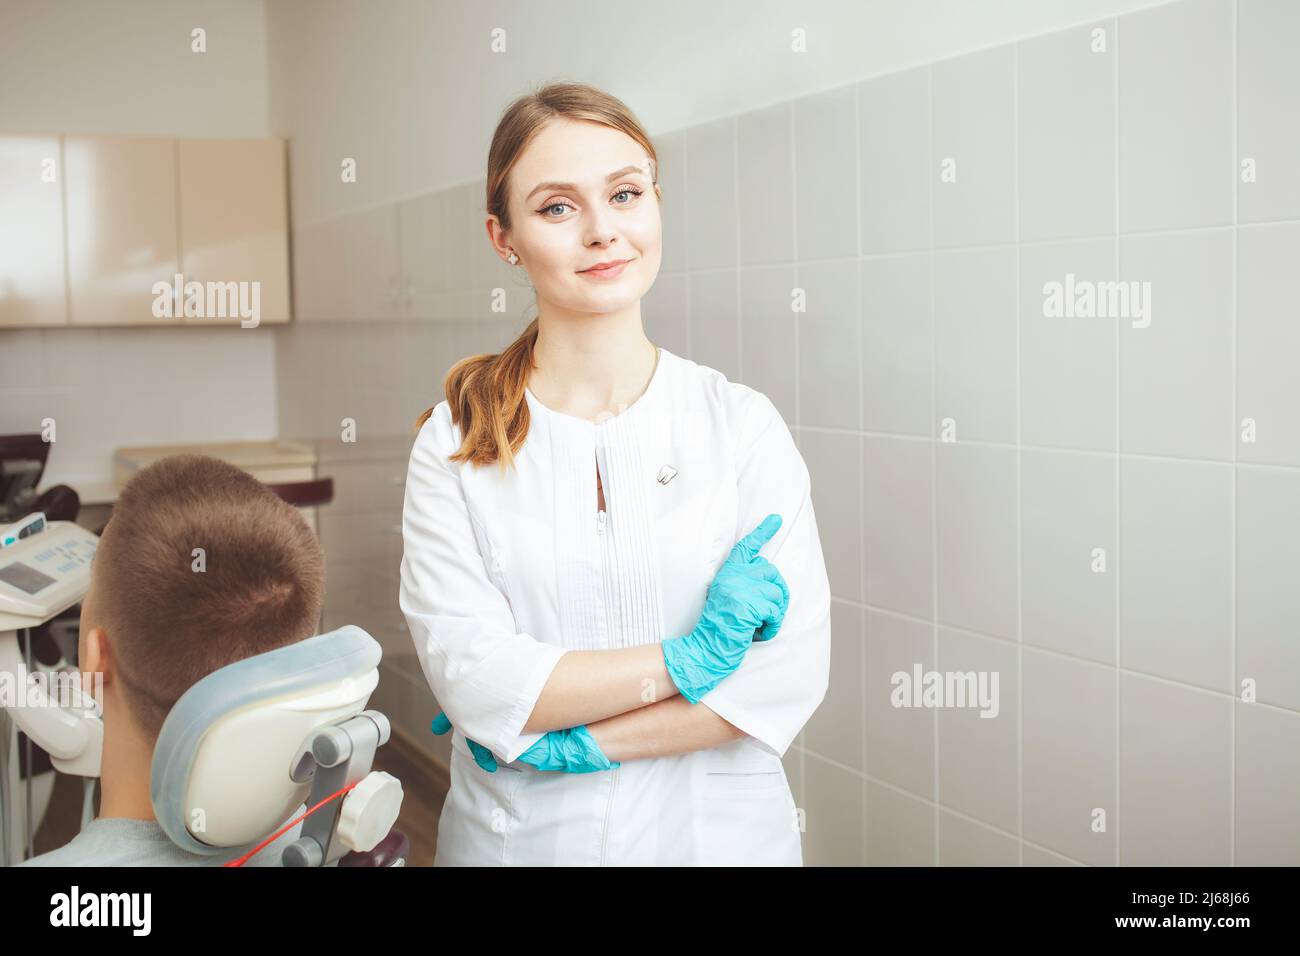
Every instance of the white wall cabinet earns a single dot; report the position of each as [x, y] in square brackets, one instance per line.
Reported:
[233, 223]
[121, 215]
[128, 212]
[33, 287]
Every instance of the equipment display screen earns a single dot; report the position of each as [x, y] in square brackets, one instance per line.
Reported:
[25, 578]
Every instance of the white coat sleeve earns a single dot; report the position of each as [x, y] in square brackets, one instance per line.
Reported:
[485, 675]
[781, 681]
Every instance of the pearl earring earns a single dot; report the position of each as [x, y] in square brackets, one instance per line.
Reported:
[512, 259]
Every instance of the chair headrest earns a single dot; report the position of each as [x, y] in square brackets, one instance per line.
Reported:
[221, 767]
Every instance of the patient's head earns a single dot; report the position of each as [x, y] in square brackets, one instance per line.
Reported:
[201, 565]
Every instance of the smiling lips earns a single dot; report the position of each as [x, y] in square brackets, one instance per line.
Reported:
[606, 270]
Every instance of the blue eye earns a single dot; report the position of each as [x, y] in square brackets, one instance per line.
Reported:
[543, 212]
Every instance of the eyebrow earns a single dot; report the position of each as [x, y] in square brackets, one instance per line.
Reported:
[609, 179]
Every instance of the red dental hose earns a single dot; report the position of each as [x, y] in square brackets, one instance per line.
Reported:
[289, 826]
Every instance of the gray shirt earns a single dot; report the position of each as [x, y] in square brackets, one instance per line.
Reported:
[120, 841]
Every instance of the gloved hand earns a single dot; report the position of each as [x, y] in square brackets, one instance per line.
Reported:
[572, 750]
[482, 756]
[747, 601]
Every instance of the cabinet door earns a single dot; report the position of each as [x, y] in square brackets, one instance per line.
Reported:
[33, 288]
[121, 215]
[233, 228]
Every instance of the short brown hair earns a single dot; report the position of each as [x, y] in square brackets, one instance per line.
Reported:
[170, 624]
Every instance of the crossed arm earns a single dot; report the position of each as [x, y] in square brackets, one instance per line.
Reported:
[629, 703]
[673, 726]
[501, 687]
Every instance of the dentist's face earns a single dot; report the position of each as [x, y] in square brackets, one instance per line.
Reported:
[568, 214]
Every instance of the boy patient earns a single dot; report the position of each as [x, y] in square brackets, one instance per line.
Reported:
[154, 626]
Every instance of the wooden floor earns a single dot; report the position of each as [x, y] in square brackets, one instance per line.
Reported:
[425, 783]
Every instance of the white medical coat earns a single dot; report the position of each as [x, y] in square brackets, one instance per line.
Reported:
[503, 574]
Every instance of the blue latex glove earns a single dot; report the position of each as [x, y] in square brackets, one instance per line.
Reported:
[572, 750]
[747, 602]
[482, 756]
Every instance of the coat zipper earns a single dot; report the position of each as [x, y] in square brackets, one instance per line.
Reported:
[601, 520]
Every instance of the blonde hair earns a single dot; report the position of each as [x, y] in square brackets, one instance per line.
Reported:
[262, 585]
[486, 392]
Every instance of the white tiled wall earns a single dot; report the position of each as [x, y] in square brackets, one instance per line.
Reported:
[107, 388]
[1119, 687]
[1109, 151]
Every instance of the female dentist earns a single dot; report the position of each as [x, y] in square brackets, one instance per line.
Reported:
[622, 679]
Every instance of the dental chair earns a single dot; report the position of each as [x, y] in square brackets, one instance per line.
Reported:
[245, 745]
[238, 753]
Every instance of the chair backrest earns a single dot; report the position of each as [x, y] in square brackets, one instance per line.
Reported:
[222, 766]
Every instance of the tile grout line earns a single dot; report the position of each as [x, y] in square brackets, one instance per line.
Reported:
[740, 231]
[798, 422]
[686, 239]
[1020, 504]
[1062, 240]
[1043, 649]
[934, 448]
[1236, 441]
[1059, 449]
[862, 461]
[1118, 563]
[937, 807]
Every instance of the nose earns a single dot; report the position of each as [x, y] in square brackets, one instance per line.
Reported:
[599, 230]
